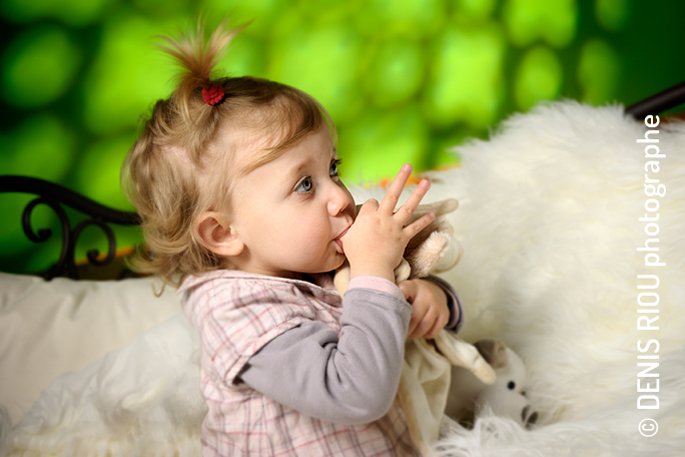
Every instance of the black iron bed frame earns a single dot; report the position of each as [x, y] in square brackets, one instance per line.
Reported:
[55, 196]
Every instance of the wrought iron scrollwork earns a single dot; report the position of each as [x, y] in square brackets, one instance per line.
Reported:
[54, 196]
[93, 254]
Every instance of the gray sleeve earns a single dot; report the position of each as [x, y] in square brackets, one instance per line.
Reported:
[352, 379]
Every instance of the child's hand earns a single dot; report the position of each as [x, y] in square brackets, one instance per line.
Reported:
[375, 243]
[429, 312]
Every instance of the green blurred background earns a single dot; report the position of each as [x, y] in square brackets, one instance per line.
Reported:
[404, 80]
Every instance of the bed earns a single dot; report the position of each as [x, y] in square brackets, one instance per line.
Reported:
[557, 263]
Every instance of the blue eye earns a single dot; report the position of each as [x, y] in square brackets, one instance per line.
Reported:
[305, 185]
[334, 168]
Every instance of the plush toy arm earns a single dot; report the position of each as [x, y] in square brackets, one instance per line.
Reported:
[434, 249]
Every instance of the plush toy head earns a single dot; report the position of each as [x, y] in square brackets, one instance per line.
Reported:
[432, 250]
[505, 397]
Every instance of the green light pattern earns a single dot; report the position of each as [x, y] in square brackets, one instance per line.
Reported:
[30, 58]
[100, 163]
[531, 20]
[408, 18]
[612, 14]
[384, 139]
[40, 146]
[466, 77]
[442, 154]
[598, 71]
[244, 57]
[475, 10]
[396, 73]
[263, 15]
[162, 7]
[71, 12]
[128, 75]
[538, 77]
[322, 61]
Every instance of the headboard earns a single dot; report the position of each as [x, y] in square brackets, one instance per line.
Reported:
[56, 196]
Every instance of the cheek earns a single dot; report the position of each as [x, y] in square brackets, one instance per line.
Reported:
[309, 231]
[315, 229]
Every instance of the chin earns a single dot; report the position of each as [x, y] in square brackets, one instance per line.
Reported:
[340, 262]
[331, 266]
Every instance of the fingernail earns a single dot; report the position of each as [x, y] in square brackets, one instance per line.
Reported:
[406, 167]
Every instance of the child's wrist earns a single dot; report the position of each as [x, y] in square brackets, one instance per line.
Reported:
[376, 283]
[376, 271]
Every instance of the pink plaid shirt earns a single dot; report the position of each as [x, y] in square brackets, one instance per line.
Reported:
[236, 314]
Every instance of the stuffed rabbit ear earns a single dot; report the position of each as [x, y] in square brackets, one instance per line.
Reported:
[440, 208]
[459, 353]
[494, 351]
[425, 257]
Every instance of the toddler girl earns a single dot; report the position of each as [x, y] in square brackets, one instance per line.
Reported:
[237, 184]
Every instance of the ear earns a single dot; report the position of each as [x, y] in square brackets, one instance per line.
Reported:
[213, 231]
[494, 352]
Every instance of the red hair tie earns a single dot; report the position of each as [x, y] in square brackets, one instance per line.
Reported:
[213, 95]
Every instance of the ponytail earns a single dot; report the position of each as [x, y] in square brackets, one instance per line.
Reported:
[197, 60]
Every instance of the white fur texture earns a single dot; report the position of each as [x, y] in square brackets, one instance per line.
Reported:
[548, 219]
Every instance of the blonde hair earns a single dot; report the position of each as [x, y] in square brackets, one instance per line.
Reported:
[180, 166]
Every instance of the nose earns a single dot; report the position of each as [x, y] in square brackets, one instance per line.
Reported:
[339, 200]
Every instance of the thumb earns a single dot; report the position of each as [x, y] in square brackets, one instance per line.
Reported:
[369, 205]
[409, 289]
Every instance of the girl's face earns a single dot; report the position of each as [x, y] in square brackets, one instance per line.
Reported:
[290, 213]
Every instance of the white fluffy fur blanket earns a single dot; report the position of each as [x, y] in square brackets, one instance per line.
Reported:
[550, 223]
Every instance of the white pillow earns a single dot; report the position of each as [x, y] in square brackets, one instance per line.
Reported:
[51, 327]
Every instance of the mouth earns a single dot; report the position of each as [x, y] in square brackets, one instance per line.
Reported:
[339, 242]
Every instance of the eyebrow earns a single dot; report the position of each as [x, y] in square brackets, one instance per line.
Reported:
[294, 172]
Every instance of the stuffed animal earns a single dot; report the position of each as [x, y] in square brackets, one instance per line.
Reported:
[429, 365]
[469, 395]
[432, 250]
